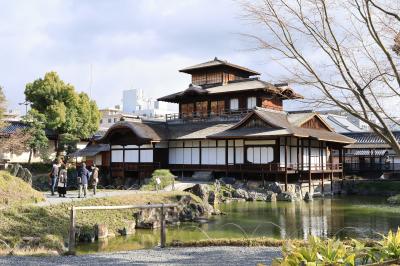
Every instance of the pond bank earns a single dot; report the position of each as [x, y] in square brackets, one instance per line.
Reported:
[158, 256]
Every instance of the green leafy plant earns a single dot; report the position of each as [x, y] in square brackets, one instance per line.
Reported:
[318, 252]
[166, 178]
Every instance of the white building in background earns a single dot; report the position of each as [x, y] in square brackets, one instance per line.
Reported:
[12, 115]
[134, 102]
[109, 116]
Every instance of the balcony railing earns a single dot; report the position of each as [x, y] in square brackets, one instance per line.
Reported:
[271, 167]
[226, 114]
[371, 167]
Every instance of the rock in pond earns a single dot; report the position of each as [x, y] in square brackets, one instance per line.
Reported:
[129, 229]
[308, 196]
[274, 187]
[240, 193]
[100, 231]
[285, 196]
[257, 196]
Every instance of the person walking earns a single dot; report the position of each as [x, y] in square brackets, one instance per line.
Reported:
[95, 178]
[54, 175]
[83, 179]
[62, 181]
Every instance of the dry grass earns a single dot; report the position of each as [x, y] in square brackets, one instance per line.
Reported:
[245, 242]
[15, 191]
[34, 221]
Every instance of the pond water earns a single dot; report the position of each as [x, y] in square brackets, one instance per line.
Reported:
[347, 216]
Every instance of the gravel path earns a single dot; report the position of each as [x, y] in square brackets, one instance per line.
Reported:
[157, 256]
[73, 196]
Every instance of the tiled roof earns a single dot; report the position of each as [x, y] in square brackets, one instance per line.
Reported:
[237, 86]
[12, 127]
[91, 150]
[278, 121]
[370, 137]
[217, 62]
[340, 123]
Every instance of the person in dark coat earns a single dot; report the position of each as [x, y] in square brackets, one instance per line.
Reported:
[83, 180]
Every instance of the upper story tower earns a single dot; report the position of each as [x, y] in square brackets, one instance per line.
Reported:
[222, 89]
[217, 72]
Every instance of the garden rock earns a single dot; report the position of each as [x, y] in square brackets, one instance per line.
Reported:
[201, 190]
[100, 231]
[271, 196]
[308, 196]
[257, 196]
[129, 229]
[274, 187]
[147, 219]
[27, 176]
[240, 193]
[285, 196]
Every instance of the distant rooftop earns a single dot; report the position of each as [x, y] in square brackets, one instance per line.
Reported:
[215, 63]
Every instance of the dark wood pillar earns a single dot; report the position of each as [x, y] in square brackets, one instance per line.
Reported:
[309, 165]
[298, 160]
[286, 159]
[138, 166]
[123, 162]
[110, 163]
[226, 158]
[331, 163]
[341, 160]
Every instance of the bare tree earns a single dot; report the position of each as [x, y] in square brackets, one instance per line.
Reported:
[346, 49]
[15, 143]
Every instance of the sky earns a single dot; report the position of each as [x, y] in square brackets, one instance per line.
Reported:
[111, 46]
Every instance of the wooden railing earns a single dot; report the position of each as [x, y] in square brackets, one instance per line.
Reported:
[73, 215]
[225, 114]
[271, 167]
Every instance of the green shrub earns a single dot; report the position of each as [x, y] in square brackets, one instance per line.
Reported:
[166, 178]
[38, 168]
[394, 199]
[335, 252]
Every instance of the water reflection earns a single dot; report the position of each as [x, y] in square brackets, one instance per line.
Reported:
[360, 217]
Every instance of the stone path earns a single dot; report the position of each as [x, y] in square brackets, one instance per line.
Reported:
[157, 256]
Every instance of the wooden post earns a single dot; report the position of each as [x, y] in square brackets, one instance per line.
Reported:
[163, 233]
[71, 244]
[331, 160]
[286, 174]
[309, 165]
[322, 187]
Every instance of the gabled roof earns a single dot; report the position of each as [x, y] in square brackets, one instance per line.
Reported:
[215, 63]
[281, 126]
[341, 124]
[145, 132]
[299, 119]
[236, 86]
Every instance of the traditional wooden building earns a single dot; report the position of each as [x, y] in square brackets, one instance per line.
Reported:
[231, 123]
[370, 155]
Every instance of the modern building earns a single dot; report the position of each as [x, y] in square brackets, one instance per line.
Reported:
[231, 123]
[134, 102]
[110, 116]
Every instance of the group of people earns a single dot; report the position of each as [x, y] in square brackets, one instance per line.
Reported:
[59, 177]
